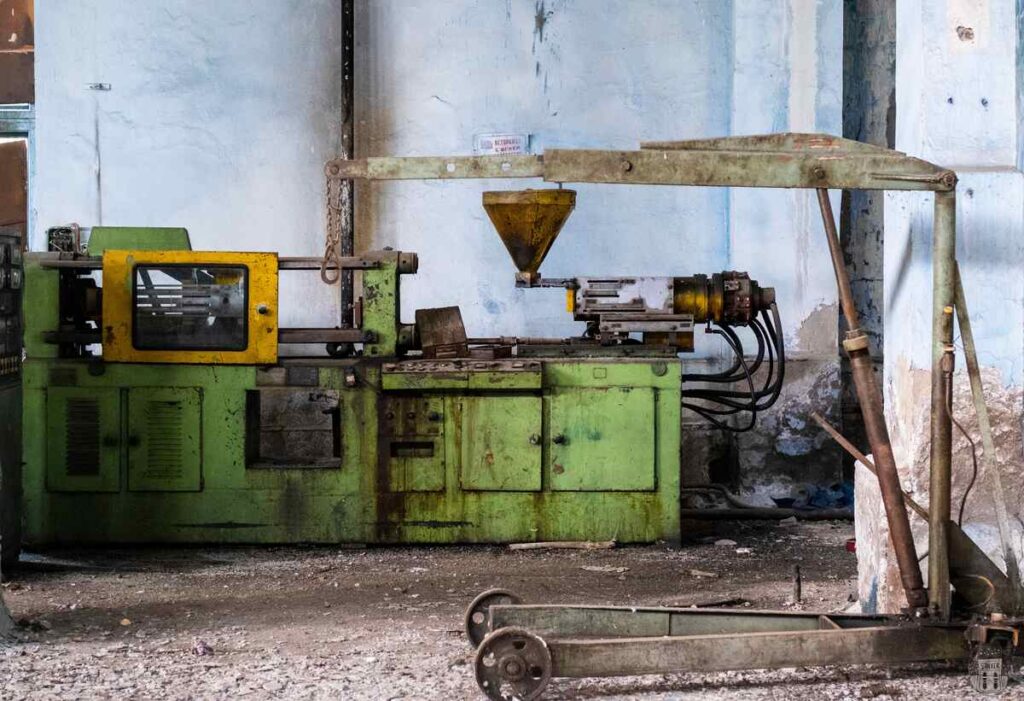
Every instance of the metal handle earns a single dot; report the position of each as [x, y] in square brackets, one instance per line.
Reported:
[559, 439]
[534, 439]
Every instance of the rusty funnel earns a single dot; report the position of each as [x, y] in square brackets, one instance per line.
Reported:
[528, 221]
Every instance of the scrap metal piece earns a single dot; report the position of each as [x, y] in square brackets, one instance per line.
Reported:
[442, 333]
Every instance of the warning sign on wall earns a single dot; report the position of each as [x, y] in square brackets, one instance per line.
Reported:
[500, 144]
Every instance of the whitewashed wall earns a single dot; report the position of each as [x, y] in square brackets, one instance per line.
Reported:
[219, 118]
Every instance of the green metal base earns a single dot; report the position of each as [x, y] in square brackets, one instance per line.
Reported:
[498, 452]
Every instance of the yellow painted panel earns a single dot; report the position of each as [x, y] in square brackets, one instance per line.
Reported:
[261, 300]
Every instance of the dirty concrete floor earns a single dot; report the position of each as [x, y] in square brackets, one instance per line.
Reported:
[385, 623]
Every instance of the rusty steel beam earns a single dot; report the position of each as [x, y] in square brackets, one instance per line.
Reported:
[866, 171]
[774, 650]
[436, 167]
[553, 621]
[782, 160]
[939, 485]
[786, 142]
[724, 168]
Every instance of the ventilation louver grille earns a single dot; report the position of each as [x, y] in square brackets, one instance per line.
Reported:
[82, 437]
[164, 424]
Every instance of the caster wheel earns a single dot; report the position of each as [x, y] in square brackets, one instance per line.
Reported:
[513, 664]
[477, 619]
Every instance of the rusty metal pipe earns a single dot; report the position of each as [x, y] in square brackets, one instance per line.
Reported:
[870, 399]
[347, 244]
[940, 459]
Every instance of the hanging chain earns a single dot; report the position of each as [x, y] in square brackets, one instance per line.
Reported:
[332, 232]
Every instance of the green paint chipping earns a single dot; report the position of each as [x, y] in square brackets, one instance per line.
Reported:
[131, 238]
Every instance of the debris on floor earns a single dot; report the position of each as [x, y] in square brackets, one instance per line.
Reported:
[226, 623]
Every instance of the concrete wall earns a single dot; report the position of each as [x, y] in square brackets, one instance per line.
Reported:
[220, 116]
[788, 77]
[957, 69]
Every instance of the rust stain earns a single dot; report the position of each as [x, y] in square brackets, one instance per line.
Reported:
[541, 15]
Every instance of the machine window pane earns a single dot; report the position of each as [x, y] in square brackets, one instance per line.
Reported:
[190, 307]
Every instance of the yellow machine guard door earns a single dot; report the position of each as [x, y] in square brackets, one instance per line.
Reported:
[190, 307]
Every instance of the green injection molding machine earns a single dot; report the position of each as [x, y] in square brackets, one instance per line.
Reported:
[158, 409]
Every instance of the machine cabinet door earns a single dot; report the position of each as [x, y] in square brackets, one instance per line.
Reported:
[164, 441]
[412, 443]
[602, 439]
[501, 443]
[83, 439]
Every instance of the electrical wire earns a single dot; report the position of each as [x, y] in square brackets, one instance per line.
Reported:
[730, 376]
[767, 332]
[708, 414]
[974, 448]
[767, 390]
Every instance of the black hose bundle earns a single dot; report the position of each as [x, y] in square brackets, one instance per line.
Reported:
[719, 403]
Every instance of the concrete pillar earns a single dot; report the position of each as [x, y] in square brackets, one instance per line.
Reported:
[869, 113]
[957, 70]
